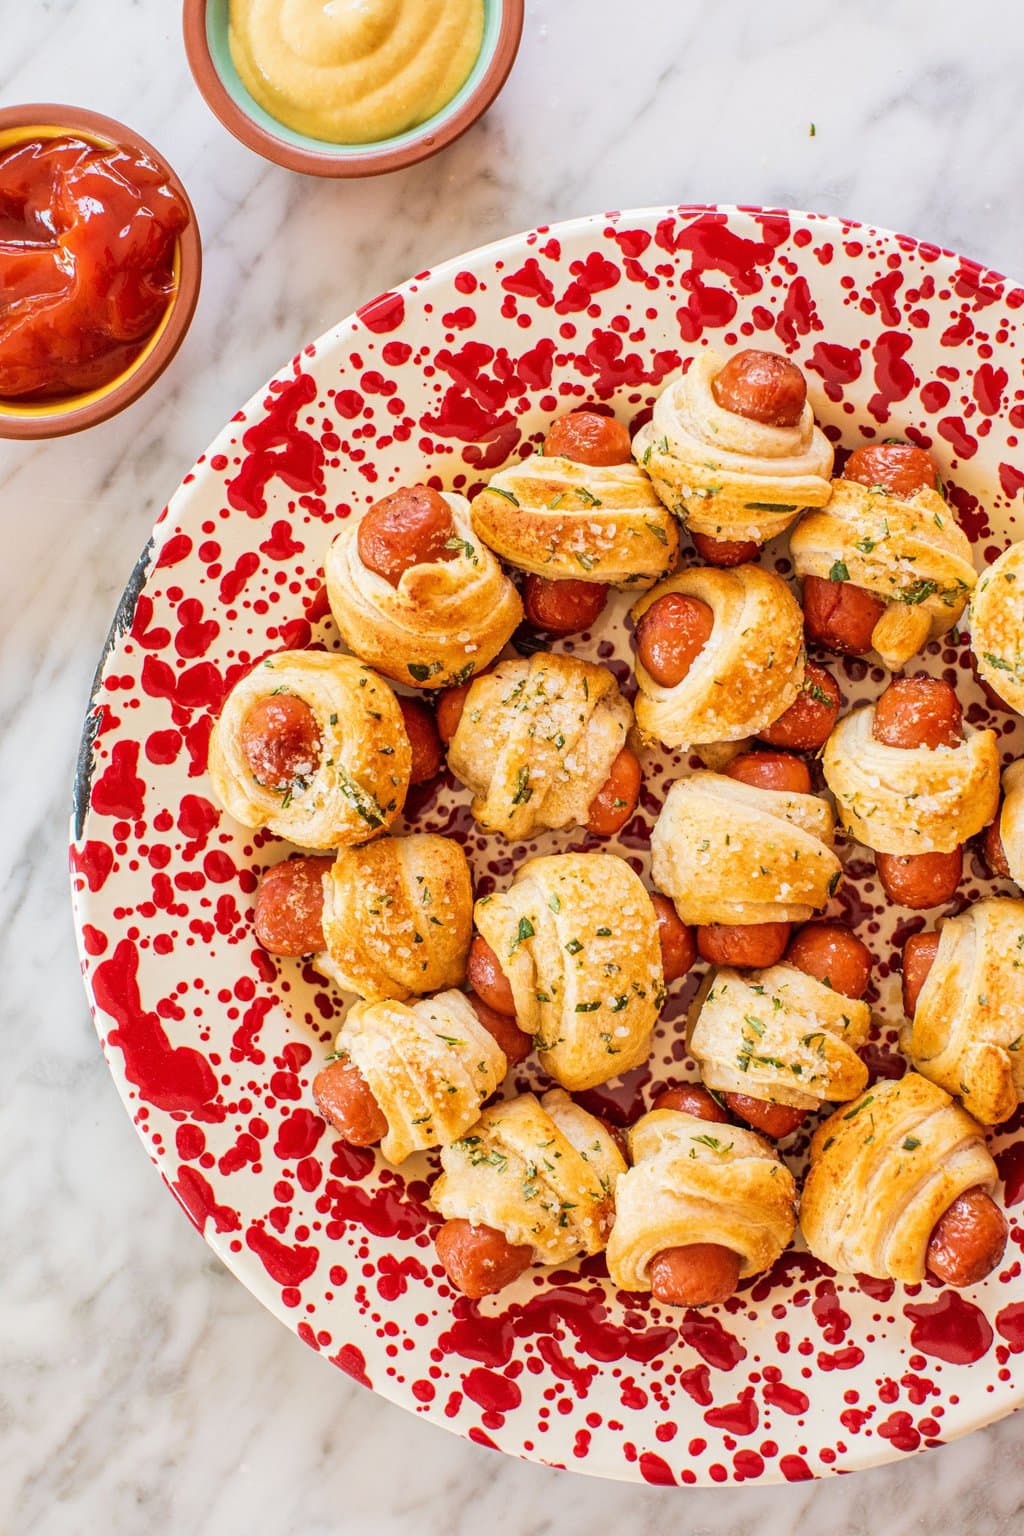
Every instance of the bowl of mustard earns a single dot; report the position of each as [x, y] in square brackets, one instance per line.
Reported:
[350, 87]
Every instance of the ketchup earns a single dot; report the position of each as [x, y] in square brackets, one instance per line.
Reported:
[87, 244]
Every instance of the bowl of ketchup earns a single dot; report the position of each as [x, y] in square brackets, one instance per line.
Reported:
[100, 264]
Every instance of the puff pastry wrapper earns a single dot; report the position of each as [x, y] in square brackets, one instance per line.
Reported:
[967, 1033]
[749, 672]
[430, 1065]
[1011, 820]
[542, 1171]
[997, 626]
[911, 552]
[536, 742]
[910, 799]
[695, 1182]
[360, 783]
[779, 1035]
[563, 520]
[445, 620]
[883, 1170]
[728, 852]
[728, 477]
[398, 917]
[577, 936]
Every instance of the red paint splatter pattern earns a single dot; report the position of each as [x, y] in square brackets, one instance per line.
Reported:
[214, 1044]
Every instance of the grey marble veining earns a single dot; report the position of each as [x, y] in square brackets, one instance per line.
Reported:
[141, 1388]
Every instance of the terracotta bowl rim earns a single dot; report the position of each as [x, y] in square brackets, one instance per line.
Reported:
[64, 417]
[333, 161]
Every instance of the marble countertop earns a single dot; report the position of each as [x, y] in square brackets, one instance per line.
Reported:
[141, 1388]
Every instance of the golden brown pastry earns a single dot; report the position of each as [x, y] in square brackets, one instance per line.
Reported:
[397, 917]
[1011, 820]
[576, 934]
[698, 1183]
[997, 626]
[748, 673]
[909, 552]
[967, 1032]
[729, 852]
[536, 742]
[579, 522]
[540, 1171]
[729, 477]
[331, 733]
[429, 1064]
[884, 1170]
[910, 800]
[443, 621]
[778, 1035]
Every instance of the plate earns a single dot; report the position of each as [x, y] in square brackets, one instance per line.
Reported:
[213, 1044]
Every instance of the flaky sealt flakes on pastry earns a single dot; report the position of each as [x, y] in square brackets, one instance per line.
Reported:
[747, 674]
[730, 477]
[536, 742]
[734, 853]
[967, 1029]
[311, 746]
[439, 620]
[577, 937]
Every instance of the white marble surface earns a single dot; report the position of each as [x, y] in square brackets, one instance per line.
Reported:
[141, 1389]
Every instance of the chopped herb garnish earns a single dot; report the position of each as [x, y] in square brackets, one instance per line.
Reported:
[712, 1142]
[467, 549]
[839, 571]
[421, 671]
[523, 790]
[918, 593]
[361, 801]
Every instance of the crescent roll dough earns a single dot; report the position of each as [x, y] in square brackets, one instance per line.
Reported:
[564, 520]
[444, 621]
[728, 852]
[883, 1170]
[726, 476]
[910, 800]
[780, 1035]
[577, 936]
[398, 917]
[360, 784]
[536, 742]
[1011, 820]
[968, 1029]
[997, 626]
[913, 553]
[749, 672]
[542, 1171]
[429, 1064]
[693, 1182]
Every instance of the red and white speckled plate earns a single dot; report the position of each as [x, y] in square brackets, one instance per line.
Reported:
[214, 1045]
